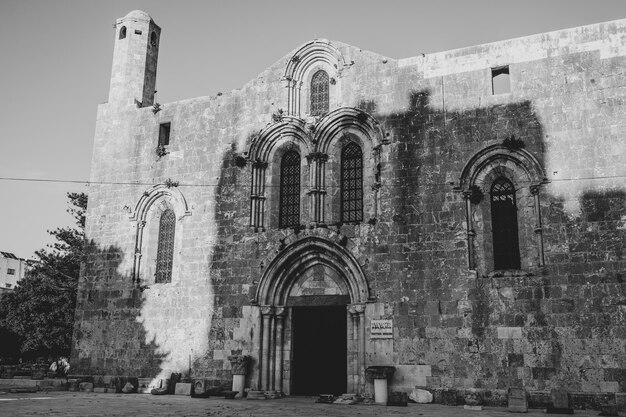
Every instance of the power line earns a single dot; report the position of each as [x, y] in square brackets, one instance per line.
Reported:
[150, 184]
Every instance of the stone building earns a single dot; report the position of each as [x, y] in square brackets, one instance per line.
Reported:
[460, 216]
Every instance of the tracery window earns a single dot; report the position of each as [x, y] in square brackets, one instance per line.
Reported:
[504, 225]
[351, 183]
[289, 214]
[319, 93]
[165, 247]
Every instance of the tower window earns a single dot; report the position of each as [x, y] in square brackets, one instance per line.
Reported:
[10, 271]
[165, 247]
[164, 134]
[504, 225]
[122, 32]
[289, 211]
[500, 80]
[351, 183]
[319, 93]
[153, 39]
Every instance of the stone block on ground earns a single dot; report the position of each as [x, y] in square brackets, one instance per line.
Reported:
[518, 400]
[421, 396]
[256, 395]
[398, 399]
[183, 388]
[85, 387]
[608, 410]
[144, 385]
[560, 402]
[448, 397]
[344, 399]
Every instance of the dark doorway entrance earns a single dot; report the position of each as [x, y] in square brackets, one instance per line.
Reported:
[319, 350]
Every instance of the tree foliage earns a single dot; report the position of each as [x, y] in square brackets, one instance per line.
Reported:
[40, 311]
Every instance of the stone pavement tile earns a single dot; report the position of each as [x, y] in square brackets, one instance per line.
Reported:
[74, 404]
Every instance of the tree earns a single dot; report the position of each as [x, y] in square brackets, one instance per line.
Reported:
[40, 311]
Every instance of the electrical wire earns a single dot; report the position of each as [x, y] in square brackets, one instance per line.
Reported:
[181, 184]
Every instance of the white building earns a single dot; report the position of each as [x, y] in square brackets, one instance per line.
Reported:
[12, 269]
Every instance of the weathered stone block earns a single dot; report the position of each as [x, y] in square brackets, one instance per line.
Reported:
[518, 400]
[183, 388]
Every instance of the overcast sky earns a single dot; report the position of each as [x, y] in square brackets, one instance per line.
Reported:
[55, 64]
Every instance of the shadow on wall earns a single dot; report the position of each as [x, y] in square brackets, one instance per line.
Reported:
[107, 338]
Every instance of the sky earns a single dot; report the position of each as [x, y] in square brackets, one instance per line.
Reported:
[55, 67]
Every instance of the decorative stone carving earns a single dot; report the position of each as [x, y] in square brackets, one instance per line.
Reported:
[379, 372]
[239, 364]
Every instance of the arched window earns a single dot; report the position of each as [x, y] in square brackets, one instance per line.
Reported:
[165, 247]
[123, 32]
[289, 214]
[504, 225]
[351, 183]
[153, 39]
[319, 93]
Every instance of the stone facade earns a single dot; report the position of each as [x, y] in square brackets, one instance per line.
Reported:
[434, 138]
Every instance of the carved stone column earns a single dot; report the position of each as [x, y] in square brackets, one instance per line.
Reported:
[138, 243]
[318, 186]
[239, 365]
[471, 234]
[266, 313]
[534, 189]
[257, 195]
[278, 362]
[357, 311]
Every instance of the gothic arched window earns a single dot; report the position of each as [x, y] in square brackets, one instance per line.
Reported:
[165, 247]
[289, 214]
[319, 93]
[351, 183]
[504, 225]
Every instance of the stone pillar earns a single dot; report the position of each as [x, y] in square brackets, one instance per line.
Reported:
[318, 189]
[357, 312]
[534, 189]
[467, 195]
[239, 365]
[380, 374]
[138, 243]
[257, 195]
[278, 362]
[266, 313]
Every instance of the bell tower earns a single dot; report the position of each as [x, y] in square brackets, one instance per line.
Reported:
[133, 77]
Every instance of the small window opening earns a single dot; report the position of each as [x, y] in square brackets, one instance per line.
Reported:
[153, 39]
[123, 32]
[11, 271]
[319, 93]
[137, 32]
[164, 134]
[9, 285]
[500, 80]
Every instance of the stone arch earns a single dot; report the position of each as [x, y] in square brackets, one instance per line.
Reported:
[493, 156]
[313, 56]
[265, 151]
[527, 175]
[278, 278]
[333, 132]
[147, 213]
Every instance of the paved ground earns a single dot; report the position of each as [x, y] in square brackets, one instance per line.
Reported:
[83, 404]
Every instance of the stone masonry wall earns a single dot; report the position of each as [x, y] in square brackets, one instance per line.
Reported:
[562, 323]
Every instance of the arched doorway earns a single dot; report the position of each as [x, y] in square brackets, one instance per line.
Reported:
[312, 299]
